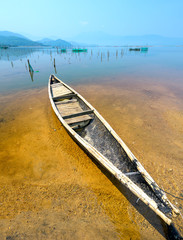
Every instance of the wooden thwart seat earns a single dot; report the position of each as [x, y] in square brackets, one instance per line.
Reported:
[59, 90]
[65, 96]
[69, 109]
[66, 101]
[78, 114]
[72, 112]
[79, 119]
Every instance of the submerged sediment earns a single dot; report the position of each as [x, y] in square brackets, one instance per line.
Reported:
[51, 187]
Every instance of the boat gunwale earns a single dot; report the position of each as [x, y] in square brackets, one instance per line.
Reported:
[105, 162]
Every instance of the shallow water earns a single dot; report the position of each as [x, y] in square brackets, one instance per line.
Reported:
[49, 187]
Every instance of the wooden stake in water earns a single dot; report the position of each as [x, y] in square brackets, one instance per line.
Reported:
[54, 66]
[30, 67]
[31, 71]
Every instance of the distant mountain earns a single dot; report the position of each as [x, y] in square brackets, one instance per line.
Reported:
[11, 34]
[17, 41]
[101, 38]
[90, 39]
[55, 43]
[14, 39]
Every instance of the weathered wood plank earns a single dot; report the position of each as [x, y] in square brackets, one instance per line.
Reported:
[78, 114]
[78, 119]
[55, 85]
[65, 96]
[70, 108]
[60, 90]
[65, 102]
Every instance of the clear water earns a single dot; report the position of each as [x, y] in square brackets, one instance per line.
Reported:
[41, 166]
[97, 65]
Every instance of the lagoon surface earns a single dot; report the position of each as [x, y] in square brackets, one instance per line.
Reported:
[98, 65]
[50, 189]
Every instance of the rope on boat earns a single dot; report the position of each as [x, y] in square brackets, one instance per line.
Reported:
[171, 194]
[167, 192]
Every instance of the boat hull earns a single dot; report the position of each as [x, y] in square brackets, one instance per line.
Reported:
[153, 196]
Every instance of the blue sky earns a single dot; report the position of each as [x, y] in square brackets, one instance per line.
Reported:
[66, 19]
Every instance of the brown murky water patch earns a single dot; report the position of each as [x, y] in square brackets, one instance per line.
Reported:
[51, 189]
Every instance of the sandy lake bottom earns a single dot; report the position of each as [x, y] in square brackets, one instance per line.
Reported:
[50, 189]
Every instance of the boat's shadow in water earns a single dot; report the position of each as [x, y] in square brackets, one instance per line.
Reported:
[168, 232]
[143, 209]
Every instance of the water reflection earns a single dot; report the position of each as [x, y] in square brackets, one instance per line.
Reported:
[116, 54]
[108, 55]
[32, 76]
[14, 54]
[26, 67]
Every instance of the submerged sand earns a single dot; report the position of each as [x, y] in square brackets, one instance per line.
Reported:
[50, 189]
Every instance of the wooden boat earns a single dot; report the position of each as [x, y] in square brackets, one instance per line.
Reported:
[78, 50]
[134, 49]
[63, 50]
[144, 49]
[88, 128]
[4, 47]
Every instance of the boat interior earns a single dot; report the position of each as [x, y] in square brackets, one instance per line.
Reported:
[83, 120]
